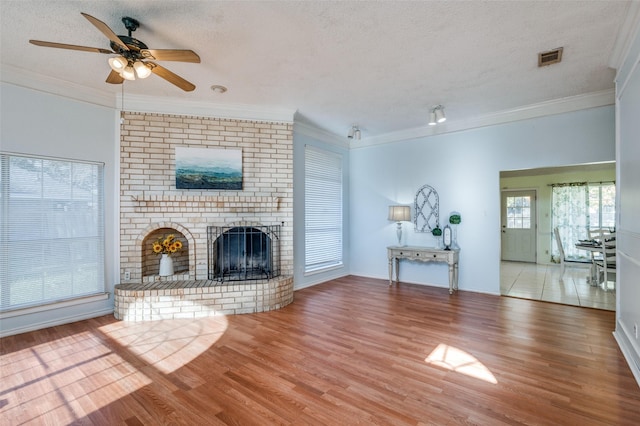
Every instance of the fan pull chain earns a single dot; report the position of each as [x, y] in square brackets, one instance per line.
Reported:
[122, 104]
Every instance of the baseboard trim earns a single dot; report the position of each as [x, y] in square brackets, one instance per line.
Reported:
[628, 351]
[319, 280]
[57, 321]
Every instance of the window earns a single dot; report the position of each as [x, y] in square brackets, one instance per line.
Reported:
[578, 207]
[519, 212]
[323, 209]
[602, 205]
[51, 230]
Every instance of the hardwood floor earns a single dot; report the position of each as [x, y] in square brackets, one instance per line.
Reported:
[350, 351]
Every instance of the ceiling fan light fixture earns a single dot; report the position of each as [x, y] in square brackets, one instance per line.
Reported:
[128, 73]
[126, 51]
[118, 63]
[142, 69]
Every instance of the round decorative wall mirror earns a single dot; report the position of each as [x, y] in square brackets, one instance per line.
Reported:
[427, 207]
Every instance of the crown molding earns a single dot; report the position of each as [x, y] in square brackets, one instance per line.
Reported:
[556, 106]
[165, 105]
[67, 89]
[139, 103]
[629, 61]
[626, 35]
[310, 130]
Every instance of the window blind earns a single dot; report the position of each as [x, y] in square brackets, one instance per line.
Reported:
[323, 209]
[51, 230]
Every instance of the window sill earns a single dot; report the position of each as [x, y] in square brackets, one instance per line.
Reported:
[325, 269]
[54, 305]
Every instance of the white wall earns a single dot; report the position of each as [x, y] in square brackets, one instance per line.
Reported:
[42, 124]
[303, 135]
[464, 168]
[628, 223]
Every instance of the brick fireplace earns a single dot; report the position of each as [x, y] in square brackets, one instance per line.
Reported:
[151, 206]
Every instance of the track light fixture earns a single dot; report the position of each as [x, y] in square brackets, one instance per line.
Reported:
[354, 133]
[436, 115]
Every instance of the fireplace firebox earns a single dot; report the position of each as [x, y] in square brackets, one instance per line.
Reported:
[242, 253]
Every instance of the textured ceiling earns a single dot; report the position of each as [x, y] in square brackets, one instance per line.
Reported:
[379, 64]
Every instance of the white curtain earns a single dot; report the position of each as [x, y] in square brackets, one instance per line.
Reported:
[570, 214]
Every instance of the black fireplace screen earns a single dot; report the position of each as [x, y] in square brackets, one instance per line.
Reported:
[242, 253]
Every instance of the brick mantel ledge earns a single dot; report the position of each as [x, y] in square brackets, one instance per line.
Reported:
[244, 203]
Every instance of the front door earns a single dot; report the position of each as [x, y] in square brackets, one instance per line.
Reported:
[519, 226]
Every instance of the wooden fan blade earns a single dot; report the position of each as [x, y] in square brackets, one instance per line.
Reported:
[171, 77]
[114, 78]
[104, 29]
[70, 46]
[170, 55]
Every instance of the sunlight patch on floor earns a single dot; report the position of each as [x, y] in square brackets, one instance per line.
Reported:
[457, 360]
[168, 345]
[57, 382]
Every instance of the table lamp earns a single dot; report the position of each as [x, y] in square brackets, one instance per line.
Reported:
[400, 214]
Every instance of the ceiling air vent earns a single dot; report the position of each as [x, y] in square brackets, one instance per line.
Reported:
[551, 57]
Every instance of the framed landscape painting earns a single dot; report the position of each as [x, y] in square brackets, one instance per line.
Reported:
[208, 168]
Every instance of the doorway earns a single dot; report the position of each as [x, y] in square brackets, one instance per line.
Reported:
[518, 217]
[541, 279]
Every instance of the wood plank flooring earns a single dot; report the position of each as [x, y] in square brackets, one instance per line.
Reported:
[349, 351]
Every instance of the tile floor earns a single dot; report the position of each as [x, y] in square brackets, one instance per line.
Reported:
[542, 282]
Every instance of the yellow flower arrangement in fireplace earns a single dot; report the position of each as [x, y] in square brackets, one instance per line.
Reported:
[167, 245]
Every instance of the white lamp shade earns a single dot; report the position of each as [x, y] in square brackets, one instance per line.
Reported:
[440, 118]
[128, 73]
[400, 213]
[142, 70]
[118, 63]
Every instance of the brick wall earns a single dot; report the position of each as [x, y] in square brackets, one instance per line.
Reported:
[149, 200]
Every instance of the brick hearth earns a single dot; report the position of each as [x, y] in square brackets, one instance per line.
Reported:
[197, 299]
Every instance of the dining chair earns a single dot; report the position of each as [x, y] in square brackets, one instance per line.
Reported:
[606, 261]
[598, 235]
[556, 232]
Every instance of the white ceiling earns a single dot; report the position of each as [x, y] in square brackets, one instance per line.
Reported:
[379, 64]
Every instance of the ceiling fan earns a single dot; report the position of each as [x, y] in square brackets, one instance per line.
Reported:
[134, 57]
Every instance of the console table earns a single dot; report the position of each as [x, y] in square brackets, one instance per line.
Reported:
[424, 254]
